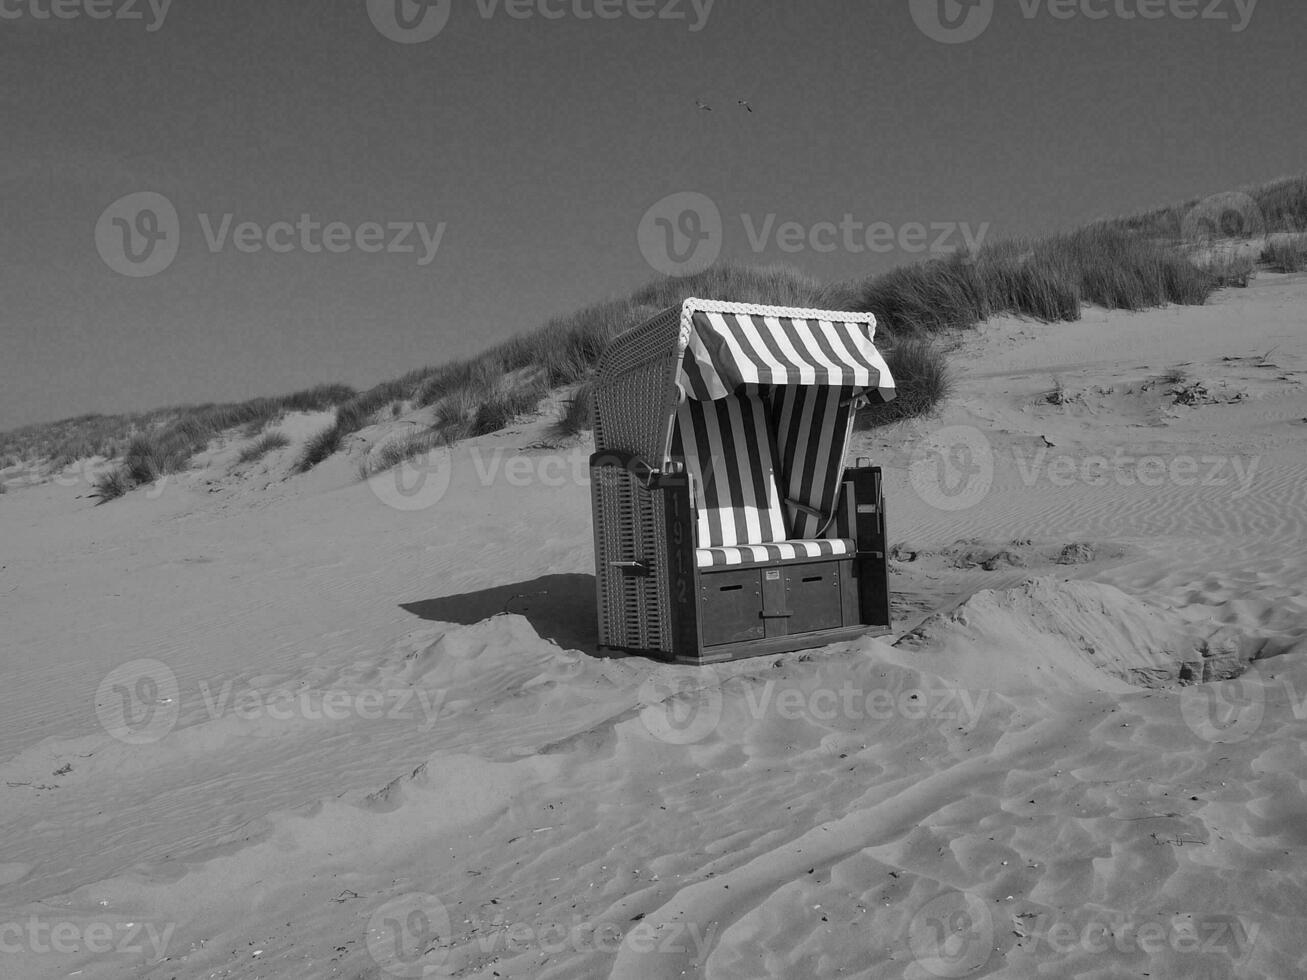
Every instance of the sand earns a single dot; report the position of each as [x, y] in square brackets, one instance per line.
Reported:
[255, 725]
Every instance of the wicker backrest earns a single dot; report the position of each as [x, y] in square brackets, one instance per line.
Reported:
[635, 392]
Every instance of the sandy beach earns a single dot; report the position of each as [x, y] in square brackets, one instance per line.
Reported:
[263, 726]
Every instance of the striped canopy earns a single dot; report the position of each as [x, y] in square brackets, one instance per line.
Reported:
[730, 349]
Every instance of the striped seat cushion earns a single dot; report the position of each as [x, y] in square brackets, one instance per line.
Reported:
[727, 448]
[774, 552]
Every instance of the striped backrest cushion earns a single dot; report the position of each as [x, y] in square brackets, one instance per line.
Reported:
[727, 446]
[813, 426]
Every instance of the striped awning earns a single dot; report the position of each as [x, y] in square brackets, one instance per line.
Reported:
[728, 349]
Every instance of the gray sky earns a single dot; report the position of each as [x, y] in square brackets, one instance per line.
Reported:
[529, 149]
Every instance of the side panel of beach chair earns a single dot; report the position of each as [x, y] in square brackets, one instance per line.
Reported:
[632, 406]
[629, 548]
[860, 515]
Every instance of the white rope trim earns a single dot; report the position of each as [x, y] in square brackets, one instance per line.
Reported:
[693, 305]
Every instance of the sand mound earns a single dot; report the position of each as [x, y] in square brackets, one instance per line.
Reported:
[1085, 633]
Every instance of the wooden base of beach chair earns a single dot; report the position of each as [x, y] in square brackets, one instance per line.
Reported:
[731, 613]
[763, 648]
[753, 612]
[711, 614]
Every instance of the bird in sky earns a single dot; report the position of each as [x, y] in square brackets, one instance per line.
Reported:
[700, 104]
[745, 103]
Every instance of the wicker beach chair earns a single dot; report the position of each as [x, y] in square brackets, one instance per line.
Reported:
[726, 524]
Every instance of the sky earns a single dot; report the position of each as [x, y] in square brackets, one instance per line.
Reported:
[210, 200]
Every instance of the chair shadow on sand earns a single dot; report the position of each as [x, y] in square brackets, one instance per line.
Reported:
[559, 607]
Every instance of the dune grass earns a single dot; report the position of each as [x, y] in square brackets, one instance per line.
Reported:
[112, 484]
[1230, 269]
[1286, 254]
[1133, 263]
[1278, 205]
[169, 445]
[504, 404]
[395, 451]
[924, 380]
[85, 436]
[362, 410]
[265, 444]
[1283, 203]
[60, 443]
[1047, 280]
[575, 417]
[320, 446]
[485, 393]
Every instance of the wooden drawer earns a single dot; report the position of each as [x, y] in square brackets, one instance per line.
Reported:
[813, 595]
[737, 605]
[730, 606]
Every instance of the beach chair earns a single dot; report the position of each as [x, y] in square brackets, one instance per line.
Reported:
[726, 524]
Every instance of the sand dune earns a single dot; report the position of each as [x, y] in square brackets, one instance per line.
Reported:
[269, 727]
